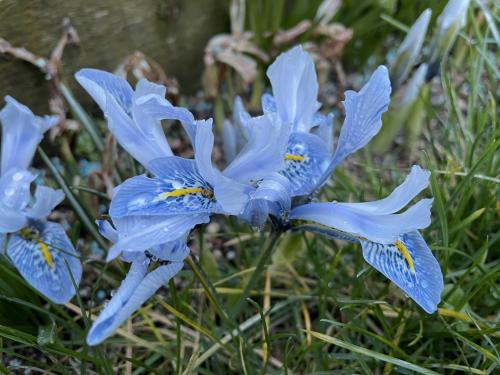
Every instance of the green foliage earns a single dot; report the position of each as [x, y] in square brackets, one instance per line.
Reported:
[328, 311]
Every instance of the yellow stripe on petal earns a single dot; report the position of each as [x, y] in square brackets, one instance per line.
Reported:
[46, 253]
[187, 191]
[401, 247]
[294, 157]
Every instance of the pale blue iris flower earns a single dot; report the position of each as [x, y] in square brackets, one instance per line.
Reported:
[390, 240]
[39, 249]
[149, 271]
[309, 159]
[161, 208]
[276, 162]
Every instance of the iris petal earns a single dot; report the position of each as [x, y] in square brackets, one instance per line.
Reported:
[229, 141]
[272, 197]
[100, 84]
[363, 114]
[295, 88]
[415, 182]
[46, 199]
[268, 103]
[306, 160]
[377, 228]
[136, 131]
[260, 156]
[15, 188]
[107, 230]
[235, 132]
[11, 220]
[177, 189]
[143, 232]
[159, 108]
[324, 129]
[22, 131]
[409, 263]
[363, 118]
[44, 256]
[230, 194]
[175, 251]
[145, 87]
[137, 287]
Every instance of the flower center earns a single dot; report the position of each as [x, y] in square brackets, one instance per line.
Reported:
[294, 157]
[186, 191]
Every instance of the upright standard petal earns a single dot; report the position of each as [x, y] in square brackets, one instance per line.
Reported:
[46, 199]
[324, 129]
[138, 132]
[235, 132]
[361, 224]
[144, 141]
[15, 188]
[264, 152]
[364, 111]
[22, 131]
[45, 257]
[363, 118]
[137, 287]
[229, 141]
[268, 103]
[158, 108]
[295, 88]
[11, 220]
[100, 84]
[230, 195]
[177, 188]
[409, 263]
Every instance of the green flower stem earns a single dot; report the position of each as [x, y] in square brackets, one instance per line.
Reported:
[82, 116]
[212, 294]
[77, 206]
[263, 258]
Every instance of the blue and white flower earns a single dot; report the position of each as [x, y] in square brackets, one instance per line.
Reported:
[390, 240]
[158, 210]
[149, 271]
[39, 249]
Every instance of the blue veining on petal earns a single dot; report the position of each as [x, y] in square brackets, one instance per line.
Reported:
[142, 195]
[423, 283]
[53, 280]
[303, 174]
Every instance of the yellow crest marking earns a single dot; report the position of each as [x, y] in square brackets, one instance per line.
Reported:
[46, 253]
[401, 247]
[294, 157]
[25, 232]
[181, 192]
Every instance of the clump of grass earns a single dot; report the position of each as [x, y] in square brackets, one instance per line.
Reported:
[317, 308]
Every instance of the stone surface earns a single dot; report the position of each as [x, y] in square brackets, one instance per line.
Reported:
[172, 32]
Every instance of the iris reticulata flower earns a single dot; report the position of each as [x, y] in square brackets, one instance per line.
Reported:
[39, 249]
[278, 162]
[390, 240]
[177, 193]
